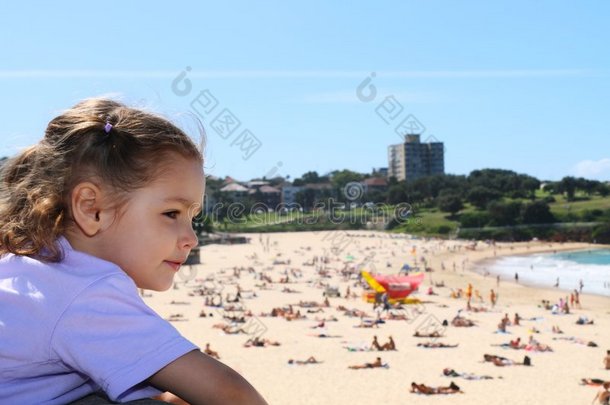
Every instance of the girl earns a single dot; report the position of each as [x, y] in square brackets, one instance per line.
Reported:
[100, 207]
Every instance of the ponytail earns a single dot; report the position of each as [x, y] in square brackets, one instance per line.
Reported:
[31, 210]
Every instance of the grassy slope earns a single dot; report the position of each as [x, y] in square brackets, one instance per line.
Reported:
[427, 221]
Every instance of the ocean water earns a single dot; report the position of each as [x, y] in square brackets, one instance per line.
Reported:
[590, 266]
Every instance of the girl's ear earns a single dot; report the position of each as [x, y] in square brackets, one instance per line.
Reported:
[87, 210]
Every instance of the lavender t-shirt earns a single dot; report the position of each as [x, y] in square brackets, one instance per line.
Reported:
[69, 329]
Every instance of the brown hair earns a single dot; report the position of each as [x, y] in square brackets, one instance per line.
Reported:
[35, 186]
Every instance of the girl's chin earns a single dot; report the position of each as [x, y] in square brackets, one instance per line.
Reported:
[159, 287]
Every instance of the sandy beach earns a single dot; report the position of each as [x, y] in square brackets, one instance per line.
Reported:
[289, 269]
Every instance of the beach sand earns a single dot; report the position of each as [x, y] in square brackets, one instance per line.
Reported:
[553, 377]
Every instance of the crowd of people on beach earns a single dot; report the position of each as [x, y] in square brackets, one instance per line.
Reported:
[382, 312]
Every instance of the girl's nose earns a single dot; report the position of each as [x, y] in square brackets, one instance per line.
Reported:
[190, 240]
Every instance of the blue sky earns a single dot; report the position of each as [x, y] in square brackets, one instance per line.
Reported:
[517, 85]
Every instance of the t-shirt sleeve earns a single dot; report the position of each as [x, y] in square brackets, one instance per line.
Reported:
[109, 334]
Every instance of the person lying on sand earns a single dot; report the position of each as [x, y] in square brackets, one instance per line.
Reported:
[583, 320]
[534, 345]
[475, 309]
[310, 360]
[324, 335]
[596, 382]
[353, 312]
[312, 304]
[513, 344]
[435, 334]
[291, 316]
[459, 321]
[257, 342]
[231, 329]
[176, 318]
[426, 390]
[435, 345]
[367, 323]
[449, 372]
[180, 302]
[376, 364]
[575, 339]
[391, 316]
[500, 361]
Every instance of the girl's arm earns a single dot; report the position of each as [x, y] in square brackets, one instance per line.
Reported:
[199, 379]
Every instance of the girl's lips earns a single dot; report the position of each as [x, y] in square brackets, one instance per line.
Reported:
[173, 265]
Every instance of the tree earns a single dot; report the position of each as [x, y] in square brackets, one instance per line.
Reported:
[537, 212]
[568, 185]
[343, 177]
[310, 178]
[530, 185]
[450, 203]
[603, 189]
[276, 181]
[503, 214]
[480, 196]
[376, 196]
[306, 198]
[397, 193]
[589, 186]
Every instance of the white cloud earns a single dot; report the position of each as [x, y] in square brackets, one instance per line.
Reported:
[593, 169]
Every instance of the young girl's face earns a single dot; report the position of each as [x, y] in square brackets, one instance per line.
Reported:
[153, 235]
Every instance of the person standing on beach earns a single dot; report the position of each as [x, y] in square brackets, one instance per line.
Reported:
[516, 277]
[492, 298]
[101, 206]
[607, 360]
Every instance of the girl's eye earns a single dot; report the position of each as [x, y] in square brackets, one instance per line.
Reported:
[171, 214]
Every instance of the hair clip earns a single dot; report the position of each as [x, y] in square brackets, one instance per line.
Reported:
[107, 127]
